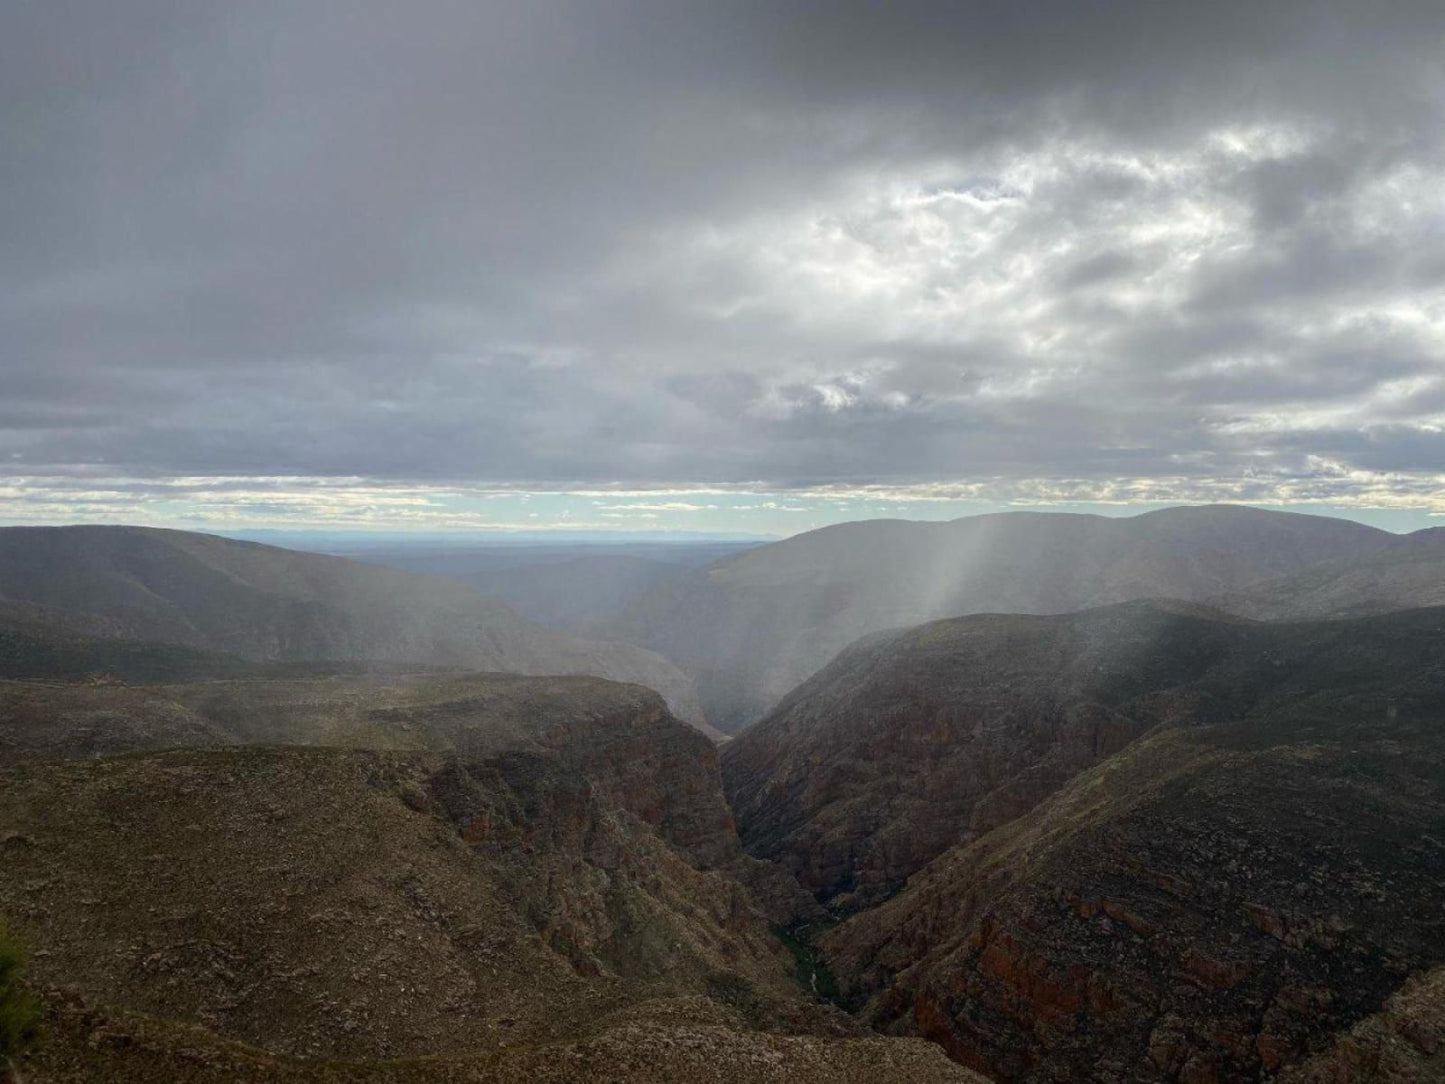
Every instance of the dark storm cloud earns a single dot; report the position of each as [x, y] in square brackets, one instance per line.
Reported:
[662, 244]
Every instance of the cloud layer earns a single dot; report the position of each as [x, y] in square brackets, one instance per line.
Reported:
[1002, 251]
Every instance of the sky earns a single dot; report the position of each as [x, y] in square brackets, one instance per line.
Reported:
[735, 268]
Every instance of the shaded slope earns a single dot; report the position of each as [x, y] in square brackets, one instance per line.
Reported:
[913, 741]
[51, 655]
[1213, 903]
[752, 627]
[261, 603]
[1403, 1042]
[1410, 573]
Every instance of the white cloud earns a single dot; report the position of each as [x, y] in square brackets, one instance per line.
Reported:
[918, 255]
[664, 506]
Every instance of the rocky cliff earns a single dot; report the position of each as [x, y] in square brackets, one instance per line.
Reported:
[564, 875]
[1218, 901]
[1402, 1043]
[915, 741]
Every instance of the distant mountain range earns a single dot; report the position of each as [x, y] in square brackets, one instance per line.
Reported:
[749, 628]
[63, 589]
[570, 592]
[723, 642]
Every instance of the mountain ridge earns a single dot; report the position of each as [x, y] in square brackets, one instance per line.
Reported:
[755, 625]
[1142, 842]
[910, 741]
[264, 603]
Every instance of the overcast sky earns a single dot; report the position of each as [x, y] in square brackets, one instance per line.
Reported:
[730, 266]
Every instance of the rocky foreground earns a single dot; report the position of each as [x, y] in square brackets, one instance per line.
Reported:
[553, 890]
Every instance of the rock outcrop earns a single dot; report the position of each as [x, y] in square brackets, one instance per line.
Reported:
[685, 1039]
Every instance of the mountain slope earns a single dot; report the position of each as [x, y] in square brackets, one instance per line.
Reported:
[1402, 1043]
[566, 589]
[562, 880]
[1215, 902]
[1408, 574]
[753, 626]
[372, 708]
[911, 742]
[266, 604]
[50, 653]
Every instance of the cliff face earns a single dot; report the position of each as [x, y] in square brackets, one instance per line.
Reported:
[607, 824]
[912, 742]
[566, 866]
[1215, 902]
